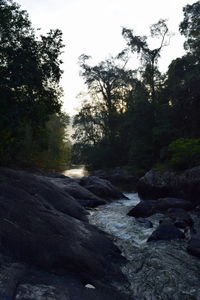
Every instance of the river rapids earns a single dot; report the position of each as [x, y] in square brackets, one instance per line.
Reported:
[155, 270]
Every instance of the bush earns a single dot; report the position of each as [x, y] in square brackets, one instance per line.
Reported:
[182, 154]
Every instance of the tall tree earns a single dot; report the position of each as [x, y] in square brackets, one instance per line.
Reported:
[184, 77]
[190, 27]
[149, 57]
[99, 120]
[30, 73]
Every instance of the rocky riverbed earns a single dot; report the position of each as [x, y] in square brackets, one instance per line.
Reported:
[155, 270]
[82, 239]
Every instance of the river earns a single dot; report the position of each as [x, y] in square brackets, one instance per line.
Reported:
[156, 270]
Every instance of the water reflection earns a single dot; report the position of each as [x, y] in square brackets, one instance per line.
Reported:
[76, 172]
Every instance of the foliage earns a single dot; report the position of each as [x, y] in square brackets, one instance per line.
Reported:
[58, 151]
[119, 124]
[149, 57]
[99, 122]
[29, 88]
[190, 27]
[184, 95]
[182, 154]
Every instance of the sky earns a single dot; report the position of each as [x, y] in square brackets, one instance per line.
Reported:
[94, 27]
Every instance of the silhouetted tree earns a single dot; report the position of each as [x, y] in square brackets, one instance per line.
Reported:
[149, 57]
[29, 88]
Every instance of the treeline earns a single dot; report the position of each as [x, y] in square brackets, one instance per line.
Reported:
[142, 118]
[32, 126]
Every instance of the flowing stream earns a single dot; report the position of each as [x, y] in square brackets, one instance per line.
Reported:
[156, 270]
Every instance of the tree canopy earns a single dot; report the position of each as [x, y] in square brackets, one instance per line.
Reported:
[29, 88]
[132, 116]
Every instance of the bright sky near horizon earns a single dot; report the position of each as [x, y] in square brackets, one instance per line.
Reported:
[93, 27]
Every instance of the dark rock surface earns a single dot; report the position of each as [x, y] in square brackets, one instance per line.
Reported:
[72, 187]
[180, 217]
[157, 184]
[189, 182]
[166, 231]
[24, 282]
[194, 245]
[150, 207]
[119, 177]
[41, 225]
[145, 223]
[143, 209]
[101, 188]
[163, 204]
[39, 190]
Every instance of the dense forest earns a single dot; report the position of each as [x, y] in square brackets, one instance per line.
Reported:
[32, 125]
[134, 118]
[142, 118]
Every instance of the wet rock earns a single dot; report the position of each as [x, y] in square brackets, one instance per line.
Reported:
[166, 231]
[190, 184]
[143, 209]
[39, 292]
[119, 177]
[148, 208]
[83, 195]
[157, 184]
[194, 245]
[162, 204]
[40, 190]
[40, 285]
[180, 217]
[145, 223]
[37, 231]
[10, 275]
[101, 188]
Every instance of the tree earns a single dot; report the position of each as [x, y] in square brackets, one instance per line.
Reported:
[29, 88]
[182, 93]
[99, 120]
[190, 27]
[149, 57]
[184, 77]
[150, 114]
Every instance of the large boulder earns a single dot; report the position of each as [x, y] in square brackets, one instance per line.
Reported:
[101, 188]
[143, 209]
[162, 204]
[41, 190]
[189, 183]
[72, 187]
[148, 208]
[166, 231]
[157, 184]
[119, 177]
[41, 226]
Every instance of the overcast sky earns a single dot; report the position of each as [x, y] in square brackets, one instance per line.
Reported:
[93, 27]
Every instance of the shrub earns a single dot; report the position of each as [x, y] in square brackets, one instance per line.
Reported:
[182, 154]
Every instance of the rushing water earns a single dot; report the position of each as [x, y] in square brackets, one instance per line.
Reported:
[156, 270]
